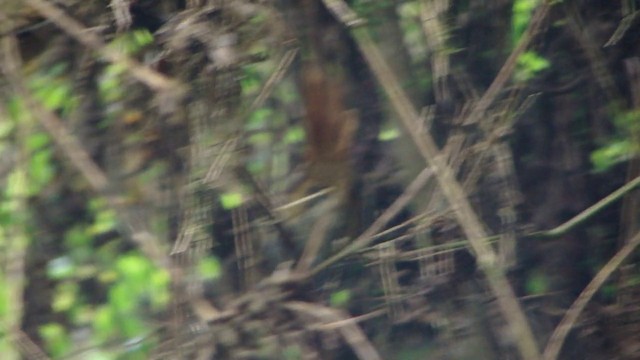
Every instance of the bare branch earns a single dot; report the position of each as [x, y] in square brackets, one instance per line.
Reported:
[559, 335]
[509, 66]
[589, 212]
[368, 235]
[347, 327]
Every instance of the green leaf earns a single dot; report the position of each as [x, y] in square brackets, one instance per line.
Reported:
[131, 326]
[65, 297]
[231, 200]
[41, 170]
[105, 221]
[258, 119]
[133, 266]
[37, 140]
[250, 82]
[389, 134]
[142, 37]
[123, 298]
[56, 339]
[56, 97]
[340, 298]
[529, 64]
[77, 237]
[537, 284]
[16, 186]
[294, 134]
[209, 268]
[616, 152]
[522, 12]
[4, 298]
[104, 323]
[159, 289]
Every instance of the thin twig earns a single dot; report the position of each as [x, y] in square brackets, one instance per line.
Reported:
[29, 349]
[315, 241]
[559, 335]
[122, 13]
[509, 66]
[275, 77]
[589, 212]
[368, 235]
[348, 327]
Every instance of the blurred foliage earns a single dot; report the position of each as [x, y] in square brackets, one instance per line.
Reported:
[340, 298]
[134, 287]
[537, 283]
[522, 11]
[623, 145]
[127, 288]
[529, 63]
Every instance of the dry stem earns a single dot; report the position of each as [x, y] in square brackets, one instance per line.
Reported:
[559, 335]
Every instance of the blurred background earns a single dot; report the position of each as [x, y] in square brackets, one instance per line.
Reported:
[177, 178]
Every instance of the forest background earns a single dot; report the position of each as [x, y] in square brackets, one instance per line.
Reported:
[306, 179]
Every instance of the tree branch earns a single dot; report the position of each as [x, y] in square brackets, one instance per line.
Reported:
[559, 335]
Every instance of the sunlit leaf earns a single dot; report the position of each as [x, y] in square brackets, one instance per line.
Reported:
[340, 298]
[209, 268]
[142, 37]
[105, 221]
[231, 200]
[521, 16]
[294, 134]
[613, 153]
[160, 292]
[123, 298]
[388, 134]
[529, 64]
[133, 266]
[66, 296]
[104, 323]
